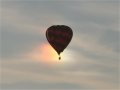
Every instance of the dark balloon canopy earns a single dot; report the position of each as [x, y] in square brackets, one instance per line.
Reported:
[59, 36]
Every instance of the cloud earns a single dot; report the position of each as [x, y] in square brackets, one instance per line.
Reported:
[111, 39]
[15, 43]
[37, 73]
[32, 85]
[90, 61]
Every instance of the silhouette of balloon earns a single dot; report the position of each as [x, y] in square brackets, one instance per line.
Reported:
[59, 36]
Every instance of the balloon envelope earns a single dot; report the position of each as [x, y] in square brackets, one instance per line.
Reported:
[59, 36]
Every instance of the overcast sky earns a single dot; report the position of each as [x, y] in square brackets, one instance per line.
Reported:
[89, 62]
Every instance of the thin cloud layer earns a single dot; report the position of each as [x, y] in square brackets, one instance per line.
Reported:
[89, 62]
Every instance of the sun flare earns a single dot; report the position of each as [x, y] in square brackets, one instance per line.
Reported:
[46, 54]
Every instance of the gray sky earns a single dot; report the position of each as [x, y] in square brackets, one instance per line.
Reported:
[89, 62]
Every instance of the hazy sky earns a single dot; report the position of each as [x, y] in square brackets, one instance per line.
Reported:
[89, 62]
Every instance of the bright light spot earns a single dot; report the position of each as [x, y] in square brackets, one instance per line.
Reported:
[46, 54]
[67, 57]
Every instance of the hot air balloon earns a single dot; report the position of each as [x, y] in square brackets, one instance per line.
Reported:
[59, 36]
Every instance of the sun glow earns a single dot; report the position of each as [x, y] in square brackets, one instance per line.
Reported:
[46, 54]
